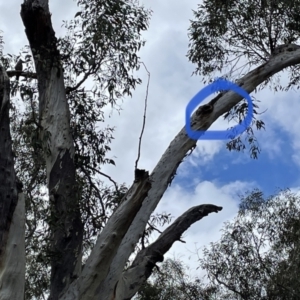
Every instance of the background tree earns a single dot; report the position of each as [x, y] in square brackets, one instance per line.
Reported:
[232, 37]
[91, 230]
[257, 256]
[172, 281]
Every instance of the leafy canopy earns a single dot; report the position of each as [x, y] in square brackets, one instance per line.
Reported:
[257, 256]
[225, 31]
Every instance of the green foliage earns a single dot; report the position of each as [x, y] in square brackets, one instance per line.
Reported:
[224, 31]
[257, 256]
[238, 113]
[102, 43]
[171, 281]
[233, 36]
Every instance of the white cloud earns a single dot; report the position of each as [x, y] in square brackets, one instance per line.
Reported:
[205, 152]
[281, 111]
[177, 200]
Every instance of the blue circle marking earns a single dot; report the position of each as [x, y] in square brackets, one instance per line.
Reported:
[219, 84]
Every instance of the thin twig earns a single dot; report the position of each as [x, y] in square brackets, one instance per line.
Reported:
[144, 119]
[96, 190]
[103, 174]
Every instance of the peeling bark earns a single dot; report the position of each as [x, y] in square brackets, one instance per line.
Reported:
[54, 120]
[12, 208]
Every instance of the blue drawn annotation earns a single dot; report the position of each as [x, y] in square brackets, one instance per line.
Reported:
[219, 84]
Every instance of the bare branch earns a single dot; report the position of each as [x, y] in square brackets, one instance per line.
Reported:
[144, 119]
[103, 174]
[142, 266]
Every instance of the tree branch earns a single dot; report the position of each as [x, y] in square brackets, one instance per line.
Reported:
[20, 73]
[177, 150]
[98, 263]
[160, 177]
[141, 268]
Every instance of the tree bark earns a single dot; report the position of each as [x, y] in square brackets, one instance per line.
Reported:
[141, 269]
[98, 263]
[54, 120]
[12, 208]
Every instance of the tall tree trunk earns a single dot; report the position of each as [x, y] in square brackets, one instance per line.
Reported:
[12, 208]
[54, 120]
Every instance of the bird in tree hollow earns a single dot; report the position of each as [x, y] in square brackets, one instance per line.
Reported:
[19, 67]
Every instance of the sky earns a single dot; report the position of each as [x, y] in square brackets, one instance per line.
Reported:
[211, 174]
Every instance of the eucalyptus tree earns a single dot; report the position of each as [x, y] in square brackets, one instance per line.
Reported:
[257, 38]
[80, 234]
[173, 281]
[257, 256]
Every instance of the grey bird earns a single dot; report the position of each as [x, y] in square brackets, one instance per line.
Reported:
[19, 67]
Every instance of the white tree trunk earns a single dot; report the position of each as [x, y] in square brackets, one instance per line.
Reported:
[12, 208]
[12, 271]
